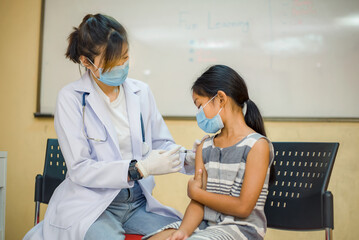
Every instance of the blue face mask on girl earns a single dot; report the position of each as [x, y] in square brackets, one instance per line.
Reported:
[115, 77]
[212, 125]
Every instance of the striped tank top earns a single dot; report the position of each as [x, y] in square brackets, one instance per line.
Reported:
[225, 168]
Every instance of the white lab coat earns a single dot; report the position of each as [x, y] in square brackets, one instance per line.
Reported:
[96, 170]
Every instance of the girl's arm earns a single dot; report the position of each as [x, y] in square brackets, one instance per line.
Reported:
[255, 174]
[194, 212]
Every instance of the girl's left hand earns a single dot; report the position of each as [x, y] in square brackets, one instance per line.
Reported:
[195, 184]
[178, 235]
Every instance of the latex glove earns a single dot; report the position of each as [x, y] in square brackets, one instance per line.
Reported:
[191, 155]
[160, 162]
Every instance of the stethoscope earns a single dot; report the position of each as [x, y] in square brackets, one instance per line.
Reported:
[145, 147]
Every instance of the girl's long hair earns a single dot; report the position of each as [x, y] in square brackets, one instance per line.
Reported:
[223, 78]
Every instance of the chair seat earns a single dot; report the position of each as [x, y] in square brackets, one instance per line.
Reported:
[133, 237]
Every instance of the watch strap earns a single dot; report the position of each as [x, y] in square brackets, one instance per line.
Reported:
[133, 172]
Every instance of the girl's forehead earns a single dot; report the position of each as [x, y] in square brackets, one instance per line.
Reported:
[198, 98]
[195, 95]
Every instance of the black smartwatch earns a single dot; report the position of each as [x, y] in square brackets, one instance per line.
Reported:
[133, 172]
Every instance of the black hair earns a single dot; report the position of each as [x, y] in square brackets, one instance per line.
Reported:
[95, 34]
[223, 78]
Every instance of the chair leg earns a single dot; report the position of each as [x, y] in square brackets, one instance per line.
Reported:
[328, 234]
[37, 212]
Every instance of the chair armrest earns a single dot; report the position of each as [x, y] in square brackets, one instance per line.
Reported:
[38, 188]
[328, 210]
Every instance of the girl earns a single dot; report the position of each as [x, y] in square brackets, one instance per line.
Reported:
[230, 186]
[113, 139]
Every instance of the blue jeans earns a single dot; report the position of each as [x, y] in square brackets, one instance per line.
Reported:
[126, 214]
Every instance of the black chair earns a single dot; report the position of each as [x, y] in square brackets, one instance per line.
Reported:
[54, 173]
[298, 198]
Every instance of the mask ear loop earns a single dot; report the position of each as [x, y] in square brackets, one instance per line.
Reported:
[210, 100]
[221, 107]
[220, 110]
[81, 65]
[96, 68]
[244, 109]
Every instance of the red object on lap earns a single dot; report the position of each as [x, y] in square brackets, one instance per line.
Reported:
[133, 237]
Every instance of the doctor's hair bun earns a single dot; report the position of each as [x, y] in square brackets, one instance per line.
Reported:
[72, 52]
[97, 34]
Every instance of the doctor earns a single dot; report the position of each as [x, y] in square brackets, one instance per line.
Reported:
[113, 139]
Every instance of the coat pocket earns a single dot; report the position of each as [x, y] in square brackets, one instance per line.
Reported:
[67, 209]
[57, 218]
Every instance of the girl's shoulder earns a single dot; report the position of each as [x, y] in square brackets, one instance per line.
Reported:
[207, 141]
[249, 140]
[253, 138]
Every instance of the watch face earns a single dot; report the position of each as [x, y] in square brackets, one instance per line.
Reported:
[133, 171]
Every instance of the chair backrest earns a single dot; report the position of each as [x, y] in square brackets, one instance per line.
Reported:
[54, 169]
[302, 172]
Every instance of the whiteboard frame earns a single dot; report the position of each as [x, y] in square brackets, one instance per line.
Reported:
[39, 114]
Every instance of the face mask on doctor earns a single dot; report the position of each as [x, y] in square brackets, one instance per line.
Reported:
[212, 125]
[115, 77]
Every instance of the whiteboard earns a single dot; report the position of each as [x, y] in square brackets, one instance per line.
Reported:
[299, 58]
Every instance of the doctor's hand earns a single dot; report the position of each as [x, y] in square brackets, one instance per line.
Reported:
[191, 155]
[160, 162]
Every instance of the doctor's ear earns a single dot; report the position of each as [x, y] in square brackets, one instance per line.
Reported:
[223, 98]
[84, 61]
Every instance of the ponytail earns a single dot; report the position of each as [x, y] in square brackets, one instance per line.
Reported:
[72, 52]
[253, 118]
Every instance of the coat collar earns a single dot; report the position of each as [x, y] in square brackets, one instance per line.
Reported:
[133, 111]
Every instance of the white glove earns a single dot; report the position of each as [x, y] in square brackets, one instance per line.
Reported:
[160, 162]
[191, 155]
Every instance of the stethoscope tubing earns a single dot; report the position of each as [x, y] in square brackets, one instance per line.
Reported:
[145, 146]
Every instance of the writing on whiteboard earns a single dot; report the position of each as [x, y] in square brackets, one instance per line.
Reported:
[186, 21]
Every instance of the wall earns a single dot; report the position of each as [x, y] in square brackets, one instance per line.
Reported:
[24, 137]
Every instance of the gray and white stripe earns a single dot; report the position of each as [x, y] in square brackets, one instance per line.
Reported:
[225, 169]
